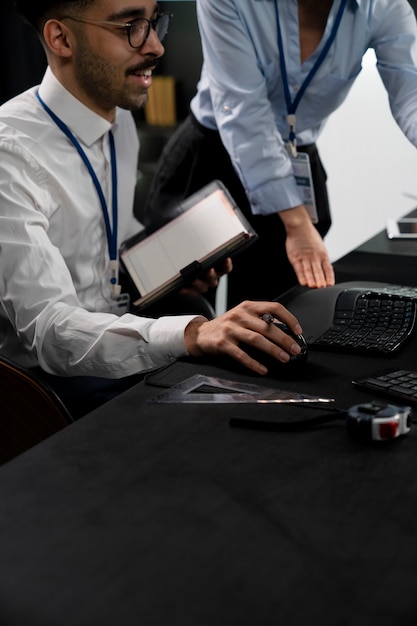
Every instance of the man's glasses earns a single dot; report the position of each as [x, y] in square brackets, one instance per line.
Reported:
[137, 30]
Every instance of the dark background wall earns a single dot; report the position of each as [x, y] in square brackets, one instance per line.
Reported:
[183, 56]
[21, 54]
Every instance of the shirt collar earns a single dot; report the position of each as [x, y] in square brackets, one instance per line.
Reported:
[83, 122]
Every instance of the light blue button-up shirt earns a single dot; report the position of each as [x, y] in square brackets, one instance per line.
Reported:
[241, 89]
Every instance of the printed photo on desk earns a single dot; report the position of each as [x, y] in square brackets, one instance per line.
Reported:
[208, 229]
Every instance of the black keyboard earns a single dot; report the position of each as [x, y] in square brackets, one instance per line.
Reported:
[371, 321]
[396, 383]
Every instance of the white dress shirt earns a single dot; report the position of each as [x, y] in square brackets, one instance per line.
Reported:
[241, 90]
[54, 263]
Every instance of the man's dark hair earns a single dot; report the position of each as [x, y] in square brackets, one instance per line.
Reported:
[37, 12]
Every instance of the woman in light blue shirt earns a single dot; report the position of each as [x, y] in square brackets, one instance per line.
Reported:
[273, 72]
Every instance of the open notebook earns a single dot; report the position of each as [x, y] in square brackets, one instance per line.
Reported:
[209, 228]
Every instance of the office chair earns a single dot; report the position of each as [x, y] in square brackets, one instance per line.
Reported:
[30, 410]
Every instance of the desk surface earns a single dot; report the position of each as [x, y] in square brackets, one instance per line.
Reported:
[153, 514]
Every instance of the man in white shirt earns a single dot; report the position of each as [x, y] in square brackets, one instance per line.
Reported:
[68, 152]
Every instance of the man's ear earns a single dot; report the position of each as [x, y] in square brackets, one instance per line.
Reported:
[58, 38]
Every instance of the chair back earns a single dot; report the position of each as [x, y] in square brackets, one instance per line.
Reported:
[30, 410]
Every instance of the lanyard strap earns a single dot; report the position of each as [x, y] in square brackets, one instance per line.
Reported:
[293, 104]
[111, 232]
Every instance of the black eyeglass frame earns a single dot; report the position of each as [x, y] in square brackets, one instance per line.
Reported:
[128, 25]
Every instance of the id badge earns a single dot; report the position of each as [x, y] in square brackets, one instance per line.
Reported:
[118, 306]
[303, 178]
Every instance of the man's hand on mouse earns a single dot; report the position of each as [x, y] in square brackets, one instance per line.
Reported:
[244, 324]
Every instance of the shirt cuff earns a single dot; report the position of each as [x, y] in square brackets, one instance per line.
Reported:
[166, 337]
[275, 196]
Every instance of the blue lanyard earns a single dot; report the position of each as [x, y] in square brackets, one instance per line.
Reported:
[111, 232]
[293, 104]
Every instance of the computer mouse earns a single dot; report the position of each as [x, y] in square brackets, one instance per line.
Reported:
[300, 339]
[274, 366]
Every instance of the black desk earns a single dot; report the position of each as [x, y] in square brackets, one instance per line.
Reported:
[381, 259]
[147, 514]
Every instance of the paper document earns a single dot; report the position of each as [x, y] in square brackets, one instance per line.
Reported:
[209, 229]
